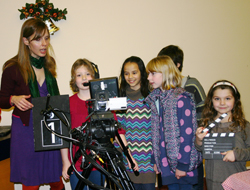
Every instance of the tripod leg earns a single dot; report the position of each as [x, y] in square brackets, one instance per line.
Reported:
[115, 170]
[124, 174]
[86, 172]
[122, 178]
[110, 184]
[118, 171]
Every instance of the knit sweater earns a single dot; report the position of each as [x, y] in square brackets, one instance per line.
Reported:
[171, 126]
[137, 123]
[184, 114]
[13, 84]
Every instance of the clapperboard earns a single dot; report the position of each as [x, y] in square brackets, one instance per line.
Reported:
[43, 138]
[216, 143]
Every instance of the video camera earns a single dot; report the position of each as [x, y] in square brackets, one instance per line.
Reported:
[96, 132]
[94, 137]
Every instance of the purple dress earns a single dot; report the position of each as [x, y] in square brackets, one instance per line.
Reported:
[27, 166]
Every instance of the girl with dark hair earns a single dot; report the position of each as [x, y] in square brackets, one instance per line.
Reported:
[136, 121]
[224, 97]
[133, 60]
[31, 73]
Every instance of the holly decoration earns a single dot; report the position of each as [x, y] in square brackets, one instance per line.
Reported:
[42, 9]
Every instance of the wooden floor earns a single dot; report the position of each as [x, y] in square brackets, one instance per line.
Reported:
[7, 185]
[5, 175]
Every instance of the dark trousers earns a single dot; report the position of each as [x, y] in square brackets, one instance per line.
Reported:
[200, 171]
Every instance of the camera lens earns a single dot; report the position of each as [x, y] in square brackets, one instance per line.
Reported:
[102, 96]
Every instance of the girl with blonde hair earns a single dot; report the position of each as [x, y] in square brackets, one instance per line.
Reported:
[173, 118]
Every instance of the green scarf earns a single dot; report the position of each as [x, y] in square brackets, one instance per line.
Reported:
[49, 78]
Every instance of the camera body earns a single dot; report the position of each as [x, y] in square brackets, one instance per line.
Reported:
[105, 92]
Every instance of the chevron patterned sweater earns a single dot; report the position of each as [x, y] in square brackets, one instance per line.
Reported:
[137, 123]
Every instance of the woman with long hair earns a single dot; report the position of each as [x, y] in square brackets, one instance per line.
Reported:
[29, 74]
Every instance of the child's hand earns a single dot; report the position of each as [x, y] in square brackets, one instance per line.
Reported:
[65, 168]
[229, 156]
[200, 136]
[155, 169]
[136, 167]
[179, 174]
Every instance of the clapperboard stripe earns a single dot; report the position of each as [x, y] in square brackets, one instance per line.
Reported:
[215, 121]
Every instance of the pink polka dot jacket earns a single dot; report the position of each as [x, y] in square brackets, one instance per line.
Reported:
[179, 152]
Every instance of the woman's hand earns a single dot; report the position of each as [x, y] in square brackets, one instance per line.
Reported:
[200, 136]
[179, 174]
[228, 156]
[21, 103]
[155, 169]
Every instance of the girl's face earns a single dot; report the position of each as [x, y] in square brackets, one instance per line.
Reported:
[82, 76]
[223, 101]
[132, 75]
[38, 47]
[155, 79]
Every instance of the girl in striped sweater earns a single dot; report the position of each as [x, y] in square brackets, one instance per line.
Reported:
[136, 121]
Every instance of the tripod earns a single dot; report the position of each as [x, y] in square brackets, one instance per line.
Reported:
[94, 137]
[104, 151]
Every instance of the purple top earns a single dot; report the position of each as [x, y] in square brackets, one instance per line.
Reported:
[27, 166]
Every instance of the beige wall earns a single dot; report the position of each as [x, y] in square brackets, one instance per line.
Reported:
[213, 34]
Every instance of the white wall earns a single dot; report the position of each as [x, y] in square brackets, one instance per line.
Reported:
[213, 34]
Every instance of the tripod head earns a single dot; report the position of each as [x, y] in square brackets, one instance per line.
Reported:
[101, 127]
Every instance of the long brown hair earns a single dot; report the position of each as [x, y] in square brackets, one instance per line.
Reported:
[22, 59]
[209, 113]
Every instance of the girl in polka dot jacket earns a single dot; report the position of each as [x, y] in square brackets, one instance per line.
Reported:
[173, 119]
